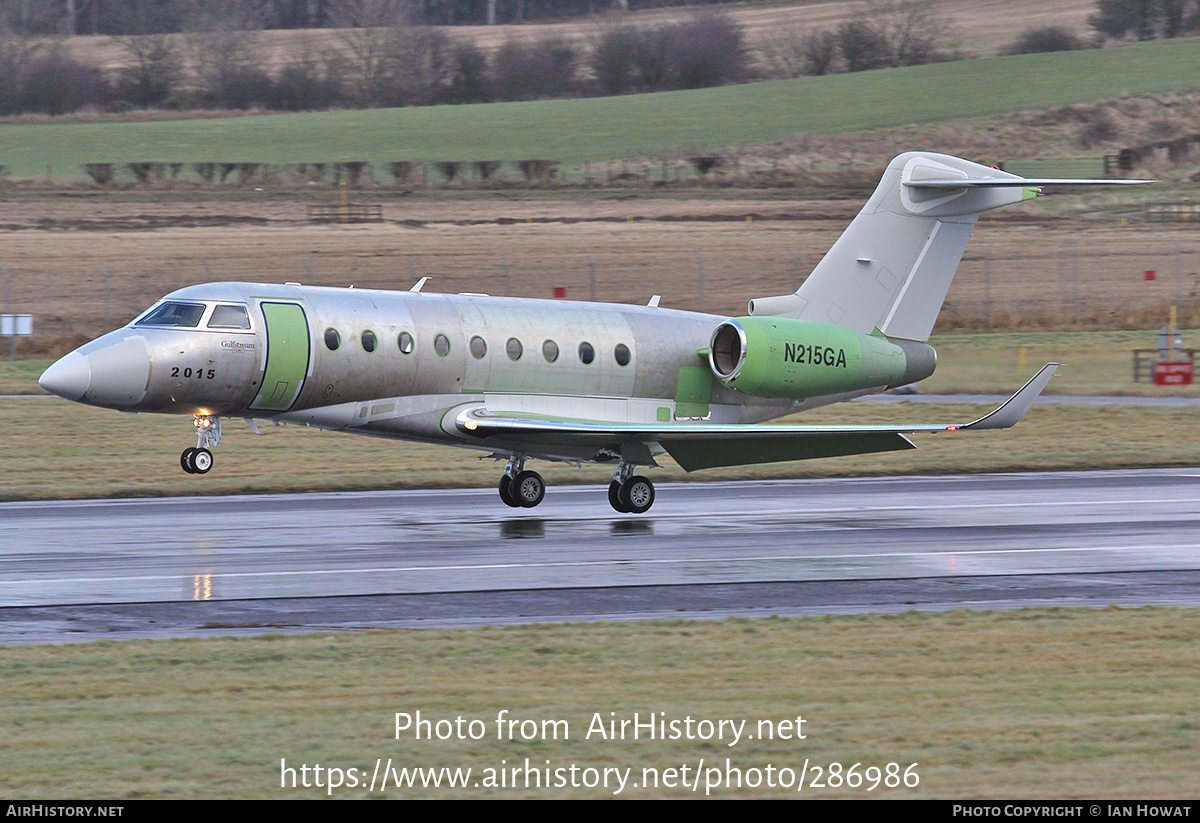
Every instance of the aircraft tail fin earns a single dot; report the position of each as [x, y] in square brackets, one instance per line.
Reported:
[892, 267]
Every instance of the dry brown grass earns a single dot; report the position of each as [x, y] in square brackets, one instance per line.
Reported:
[151, 244]
[1045, 703]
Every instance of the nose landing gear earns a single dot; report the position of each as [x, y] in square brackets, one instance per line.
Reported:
[199, 460]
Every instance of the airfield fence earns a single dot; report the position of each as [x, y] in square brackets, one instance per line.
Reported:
[1027, 278]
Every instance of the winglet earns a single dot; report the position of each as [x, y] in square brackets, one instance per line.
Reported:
[1015, 407]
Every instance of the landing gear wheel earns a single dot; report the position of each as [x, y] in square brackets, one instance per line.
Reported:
[637, 495]
[202, 461]
[506, 492]
[614, 497]
[528, 488]
[185, 460]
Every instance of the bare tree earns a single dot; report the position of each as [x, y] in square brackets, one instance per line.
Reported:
[1145, 19]
[781, 52]
[28, 17]
[367, 29]
[154, 70]
[795, 51]
[893, 33]
[224, 39]
[820, 53]
[914, 31]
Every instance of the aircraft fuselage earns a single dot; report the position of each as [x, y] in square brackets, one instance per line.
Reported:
[573, 381]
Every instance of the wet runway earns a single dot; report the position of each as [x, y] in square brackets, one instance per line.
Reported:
[725, 544]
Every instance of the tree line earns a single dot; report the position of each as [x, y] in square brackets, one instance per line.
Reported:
[398, 65]
[1142, 19]
[380, 57]
[124, 17]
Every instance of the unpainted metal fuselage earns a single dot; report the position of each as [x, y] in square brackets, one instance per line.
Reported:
[572, 381]
[393, 364]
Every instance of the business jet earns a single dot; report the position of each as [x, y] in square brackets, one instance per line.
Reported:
[575, 382]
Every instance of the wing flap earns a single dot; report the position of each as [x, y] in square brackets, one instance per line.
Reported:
[718, 450]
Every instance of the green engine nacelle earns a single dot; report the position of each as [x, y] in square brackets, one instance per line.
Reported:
[781, 357]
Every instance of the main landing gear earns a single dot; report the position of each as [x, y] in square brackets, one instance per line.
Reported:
[199, 460]
[520, 488]
[628, 493]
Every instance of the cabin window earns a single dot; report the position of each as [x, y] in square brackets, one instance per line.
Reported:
[406, 343]
[550, 351]
[586, 353]
[332, 339]
[514, 349]
[478, 347]
[185, 315]
[368, 341]
[441, 345]
[621, 354]
[229, 317]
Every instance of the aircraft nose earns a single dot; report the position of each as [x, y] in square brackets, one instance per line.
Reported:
[67, 377]
[113, 371]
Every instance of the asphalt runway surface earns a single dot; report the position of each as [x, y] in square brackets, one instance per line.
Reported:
[100, 569]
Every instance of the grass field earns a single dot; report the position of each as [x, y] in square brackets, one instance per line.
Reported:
[68, 450]
[54, 449]
[579, 131]
[1042, 703]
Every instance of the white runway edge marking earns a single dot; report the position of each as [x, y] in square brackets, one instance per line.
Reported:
[587, 563]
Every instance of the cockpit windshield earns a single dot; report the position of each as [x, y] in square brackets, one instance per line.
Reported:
[229, 317]
[174, 314]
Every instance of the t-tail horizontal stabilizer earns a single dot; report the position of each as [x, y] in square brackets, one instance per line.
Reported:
[892, 267]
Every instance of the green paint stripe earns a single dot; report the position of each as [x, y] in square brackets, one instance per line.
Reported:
[287, 356]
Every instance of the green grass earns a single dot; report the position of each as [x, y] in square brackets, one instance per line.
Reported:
[579, 131]
[1041, 703]
[1094, 363]
[53, 448]
[50, 448]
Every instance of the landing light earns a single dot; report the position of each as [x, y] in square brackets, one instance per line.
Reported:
[470, 425]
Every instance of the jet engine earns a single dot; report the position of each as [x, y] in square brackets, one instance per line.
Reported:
[786, 358]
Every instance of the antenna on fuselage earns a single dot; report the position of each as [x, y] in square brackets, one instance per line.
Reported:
[420, 284]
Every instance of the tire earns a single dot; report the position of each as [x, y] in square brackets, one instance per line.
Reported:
[185, 460]
[528, 488]
[202, 461]
[506, 492]
[614, 497]
[637, 495]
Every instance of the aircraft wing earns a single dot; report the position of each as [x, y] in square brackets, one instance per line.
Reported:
[707, 445]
